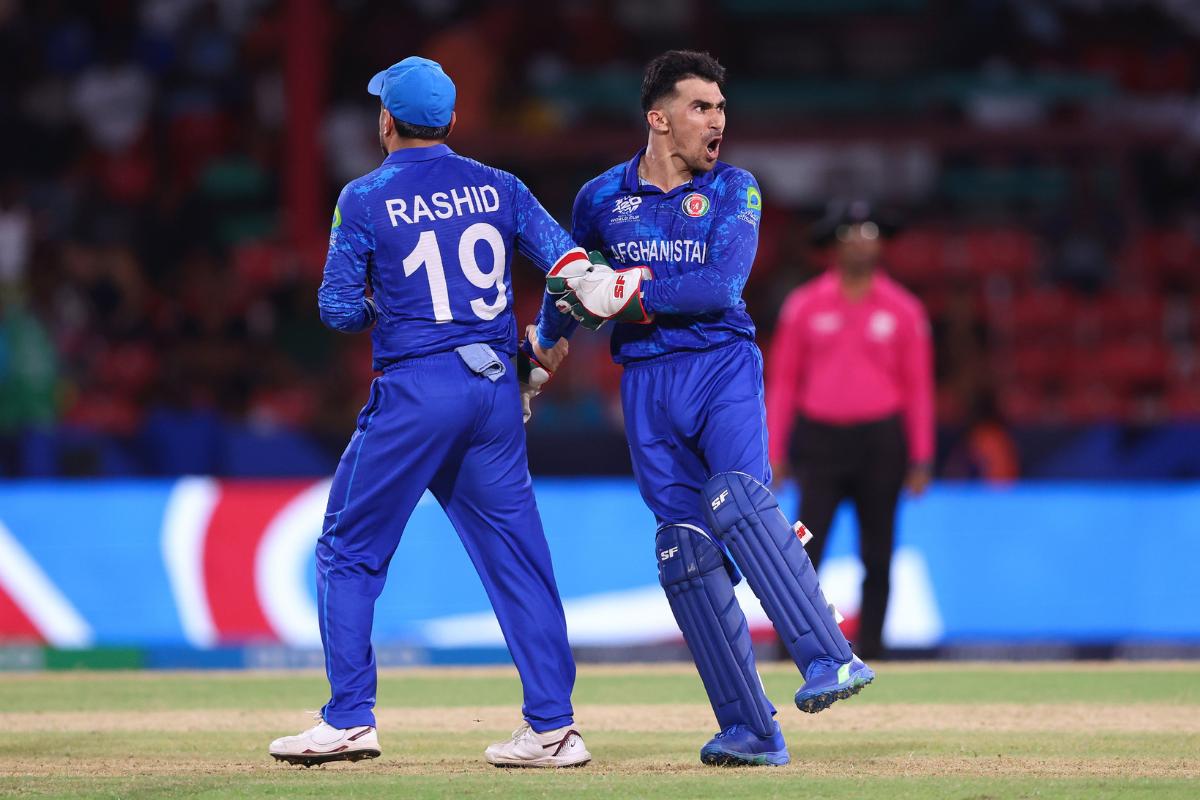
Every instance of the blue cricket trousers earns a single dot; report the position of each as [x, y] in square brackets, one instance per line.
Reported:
[689, 416]
[432, 423]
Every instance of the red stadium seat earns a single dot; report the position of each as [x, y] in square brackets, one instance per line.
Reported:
[1096, 402]
[1118, 317]
[1040, 316]
[1133, 314]
[1135, 362]
[1022, 405]
[1183, 401]
[1002, 252]
[1039, 363]
[1164, 258]
[257, 263]
[917, 256]
[129, 367]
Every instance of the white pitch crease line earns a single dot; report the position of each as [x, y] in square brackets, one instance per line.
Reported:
[57, 620]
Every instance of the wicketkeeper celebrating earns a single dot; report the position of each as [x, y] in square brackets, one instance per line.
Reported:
[692, 393]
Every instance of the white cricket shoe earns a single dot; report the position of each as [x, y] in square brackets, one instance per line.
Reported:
[324, 743]
[528, 748]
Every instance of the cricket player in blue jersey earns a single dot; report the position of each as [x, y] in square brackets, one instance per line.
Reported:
[432, 235]
[683, 227]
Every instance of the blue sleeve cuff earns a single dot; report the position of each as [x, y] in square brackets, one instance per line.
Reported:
[648, 304]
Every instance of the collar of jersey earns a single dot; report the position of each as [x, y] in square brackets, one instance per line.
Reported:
[418, 154]
[632, 184]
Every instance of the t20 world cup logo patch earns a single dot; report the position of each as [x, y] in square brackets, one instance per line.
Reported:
[695, 205]
[627, 205]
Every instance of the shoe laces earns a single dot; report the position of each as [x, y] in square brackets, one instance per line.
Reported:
[520, 732]
[730, 731]
[317, 718]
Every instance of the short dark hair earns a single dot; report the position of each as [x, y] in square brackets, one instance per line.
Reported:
[406, 130]
[673, 66]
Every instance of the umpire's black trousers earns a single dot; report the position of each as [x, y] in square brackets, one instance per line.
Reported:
[865, 463]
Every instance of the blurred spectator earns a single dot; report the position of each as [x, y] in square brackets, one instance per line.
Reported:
[986, 450]
[16, 235]
[112, 99]
[28, 377]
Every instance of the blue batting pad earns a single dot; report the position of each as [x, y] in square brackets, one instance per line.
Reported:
[691, 568]
[746, 517]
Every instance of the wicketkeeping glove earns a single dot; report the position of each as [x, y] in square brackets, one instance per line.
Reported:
[602, 294]
[531, 376]
[573, 263]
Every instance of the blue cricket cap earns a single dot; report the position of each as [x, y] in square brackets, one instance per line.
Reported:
[416, 91]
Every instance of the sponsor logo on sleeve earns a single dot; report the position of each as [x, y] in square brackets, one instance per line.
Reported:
[337, 223]
[751, 212]
[753, 198]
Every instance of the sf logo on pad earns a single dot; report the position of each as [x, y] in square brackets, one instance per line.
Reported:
[719, 500]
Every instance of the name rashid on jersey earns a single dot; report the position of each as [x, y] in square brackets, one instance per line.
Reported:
[472, 200]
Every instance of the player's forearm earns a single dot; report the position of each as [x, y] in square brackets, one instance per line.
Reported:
[553, 324]
[918, 412]
[700, 292]
[345, 309]
[918, 423]
[716, 286]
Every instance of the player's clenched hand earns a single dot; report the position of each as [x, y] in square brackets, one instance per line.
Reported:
[534, 368]
[550, 359]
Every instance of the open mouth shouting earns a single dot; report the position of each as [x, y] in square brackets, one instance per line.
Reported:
[713, 148]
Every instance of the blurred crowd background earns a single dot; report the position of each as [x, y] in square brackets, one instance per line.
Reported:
[168, 169]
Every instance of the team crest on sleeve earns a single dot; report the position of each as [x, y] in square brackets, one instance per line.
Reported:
[337, 216]
[696, 205]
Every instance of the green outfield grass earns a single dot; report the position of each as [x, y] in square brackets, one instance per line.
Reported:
[922, 731]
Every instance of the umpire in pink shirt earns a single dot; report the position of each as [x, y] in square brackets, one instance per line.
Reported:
[850, 401]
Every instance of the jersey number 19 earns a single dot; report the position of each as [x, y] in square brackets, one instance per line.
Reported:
[428, 254]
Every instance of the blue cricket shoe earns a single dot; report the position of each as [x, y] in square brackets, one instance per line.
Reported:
[738, 746]
[827, 681]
